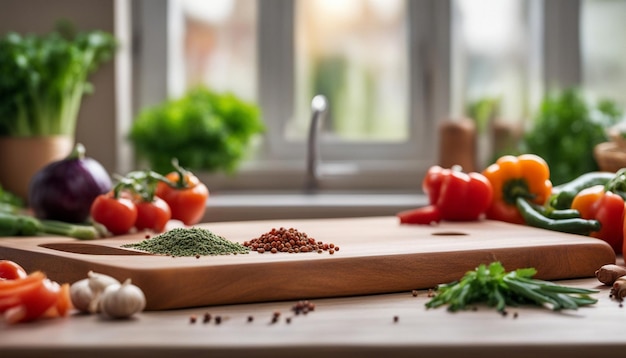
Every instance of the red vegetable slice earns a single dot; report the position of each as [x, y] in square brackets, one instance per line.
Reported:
[425, 215]
[10, 270]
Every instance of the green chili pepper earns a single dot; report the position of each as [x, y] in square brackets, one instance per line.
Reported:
[553, 213]
[565, 193]
[570, 225]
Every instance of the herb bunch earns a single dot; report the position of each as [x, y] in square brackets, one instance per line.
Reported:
[498, 288]
[43, 79]
[204, 129]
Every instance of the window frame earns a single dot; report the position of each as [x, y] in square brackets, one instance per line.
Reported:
[280, 164]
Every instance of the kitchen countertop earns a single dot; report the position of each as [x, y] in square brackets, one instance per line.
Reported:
[362, 326]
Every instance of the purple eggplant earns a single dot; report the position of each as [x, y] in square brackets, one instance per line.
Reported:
[64, 190]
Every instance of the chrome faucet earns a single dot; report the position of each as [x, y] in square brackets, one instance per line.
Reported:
[319, 105]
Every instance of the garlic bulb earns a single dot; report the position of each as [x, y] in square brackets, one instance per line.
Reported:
[122, 301]
[85, 293]
[81, 295]
[98, 283]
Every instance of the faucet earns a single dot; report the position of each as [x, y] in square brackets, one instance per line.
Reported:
[319, 105]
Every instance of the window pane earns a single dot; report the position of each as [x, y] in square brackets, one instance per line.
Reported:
[220, 45]
[604, 49]
[490, 55]
[355, 53]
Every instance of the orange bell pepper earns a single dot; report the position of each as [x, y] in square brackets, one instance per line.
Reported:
[526, 176]
[608, 208]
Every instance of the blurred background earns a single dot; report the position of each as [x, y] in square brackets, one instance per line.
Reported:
[409, 83]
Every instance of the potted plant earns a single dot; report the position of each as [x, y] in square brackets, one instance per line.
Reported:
[42, 81]
[204, 130]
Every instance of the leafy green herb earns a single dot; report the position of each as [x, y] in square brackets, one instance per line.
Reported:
[43, 79]
[203, 129]
[498, 288]
[565, 131]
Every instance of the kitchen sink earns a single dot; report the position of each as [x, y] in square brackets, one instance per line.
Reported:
[269, 205]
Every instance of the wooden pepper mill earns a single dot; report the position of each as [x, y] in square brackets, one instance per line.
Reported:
[457, 144]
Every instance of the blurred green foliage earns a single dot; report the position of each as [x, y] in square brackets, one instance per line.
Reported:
[204, 130]
[565, 131]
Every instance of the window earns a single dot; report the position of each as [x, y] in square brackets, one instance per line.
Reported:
[395, 68]
[603, 50]
[387, 61]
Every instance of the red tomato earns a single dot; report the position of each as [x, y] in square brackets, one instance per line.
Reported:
[606, 207]
[10, 270]
[118, 215]
[187, 201]
[153, 215]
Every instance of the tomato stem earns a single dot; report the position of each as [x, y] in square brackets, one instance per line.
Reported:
[182, 182]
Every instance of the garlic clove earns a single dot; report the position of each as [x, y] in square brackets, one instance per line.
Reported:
[98, 282]
[81, 295]
[122, 301]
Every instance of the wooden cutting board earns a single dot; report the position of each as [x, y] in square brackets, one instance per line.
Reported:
[377, 255]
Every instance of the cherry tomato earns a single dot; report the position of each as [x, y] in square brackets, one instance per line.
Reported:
[188, 200]
[152, 215]
[10, 270]
[118, 215]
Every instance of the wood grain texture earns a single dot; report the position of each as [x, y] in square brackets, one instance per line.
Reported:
[377, 255]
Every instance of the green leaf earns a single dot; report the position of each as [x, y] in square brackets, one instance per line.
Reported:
[205, 130]
[43, 79]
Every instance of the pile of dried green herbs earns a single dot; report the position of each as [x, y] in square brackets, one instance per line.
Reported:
[190, 241]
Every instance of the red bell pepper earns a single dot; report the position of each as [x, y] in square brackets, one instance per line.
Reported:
[598, 203]
[453, 195]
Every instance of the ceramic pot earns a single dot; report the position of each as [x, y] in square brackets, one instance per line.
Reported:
[22, 157]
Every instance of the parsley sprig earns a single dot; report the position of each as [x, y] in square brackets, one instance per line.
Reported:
[497, 288]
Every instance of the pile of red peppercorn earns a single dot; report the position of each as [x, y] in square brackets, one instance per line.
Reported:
[288, 240]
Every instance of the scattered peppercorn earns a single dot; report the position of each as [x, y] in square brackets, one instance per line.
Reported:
[287, 240]
[396, 319]
[192, 319]
[218, 319]
[414, 293]
[250, 318]
[303, 307]
[288, 320]
[207, 317]
[189, 241]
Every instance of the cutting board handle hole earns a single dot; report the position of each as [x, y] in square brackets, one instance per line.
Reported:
[449, 233]
[91, 249]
